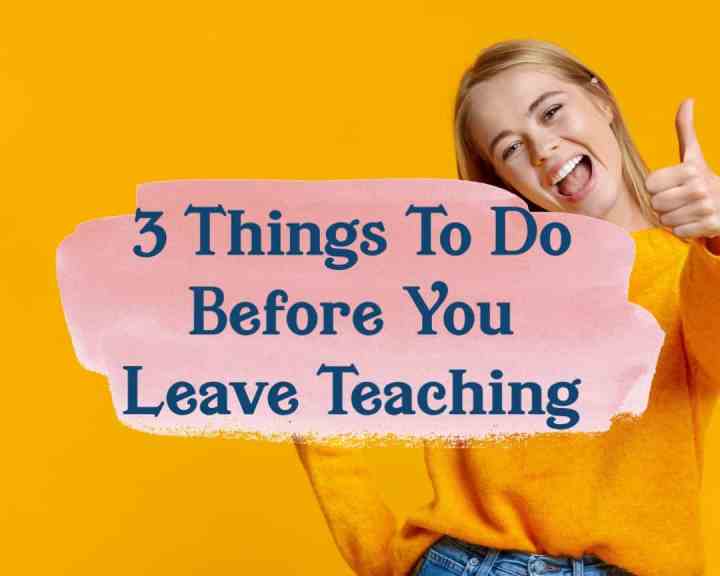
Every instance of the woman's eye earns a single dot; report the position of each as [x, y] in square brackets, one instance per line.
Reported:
[510, 150]
[550, 112]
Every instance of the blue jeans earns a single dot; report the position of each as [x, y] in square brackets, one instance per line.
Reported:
[451, 557]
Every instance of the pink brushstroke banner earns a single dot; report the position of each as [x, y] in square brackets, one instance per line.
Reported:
[131, 317]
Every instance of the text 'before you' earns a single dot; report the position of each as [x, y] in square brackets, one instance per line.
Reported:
[303, 318]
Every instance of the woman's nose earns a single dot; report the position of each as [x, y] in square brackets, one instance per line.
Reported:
[541, 151]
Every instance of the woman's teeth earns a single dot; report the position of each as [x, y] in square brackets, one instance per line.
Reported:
[566, 168]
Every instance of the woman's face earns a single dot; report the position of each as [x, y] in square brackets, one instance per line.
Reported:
[551, 141]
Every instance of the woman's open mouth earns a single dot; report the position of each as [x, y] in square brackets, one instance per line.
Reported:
[575, 179]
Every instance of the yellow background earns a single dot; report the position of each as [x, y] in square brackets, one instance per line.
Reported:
[96, 98]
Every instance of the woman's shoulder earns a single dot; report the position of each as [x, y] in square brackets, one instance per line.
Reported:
[657, 250]
[654, 282]
[659, 237]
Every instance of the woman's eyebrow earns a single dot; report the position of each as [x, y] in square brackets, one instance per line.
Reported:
[539, 100]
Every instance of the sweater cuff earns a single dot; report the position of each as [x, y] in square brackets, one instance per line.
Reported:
[707, 242]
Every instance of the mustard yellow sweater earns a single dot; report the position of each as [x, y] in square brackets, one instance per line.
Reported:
[629, 496]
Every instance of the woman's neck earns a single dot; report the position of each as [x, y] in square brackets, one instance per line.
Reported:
[627, 214]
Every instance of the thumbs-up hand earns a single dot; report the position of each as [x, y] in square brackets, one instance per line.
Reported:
[687, 196]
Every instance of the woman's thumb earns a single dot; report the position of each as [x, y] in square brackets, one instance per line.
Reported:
[687, 139]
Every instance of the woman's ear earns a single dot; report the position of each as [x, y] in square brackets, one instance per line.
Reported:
[607, 111]
[604, 106]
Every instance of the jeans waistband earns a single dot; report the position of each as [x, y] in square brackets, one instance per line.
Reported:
[455, 555]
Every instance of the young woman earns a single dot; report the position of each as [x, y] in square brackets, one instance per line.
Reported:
[532, 119]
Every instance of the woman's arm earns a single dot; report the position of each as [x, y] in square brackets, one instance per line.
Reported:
[361, 524]
[687, 198]
[700, 311]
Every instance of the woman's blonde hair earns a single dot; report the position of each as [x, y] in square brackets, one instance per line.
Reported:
[504, 55]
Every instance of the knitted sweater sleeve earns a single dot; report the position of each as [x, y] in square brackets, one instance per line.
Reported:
[361, 524]
[700, 313]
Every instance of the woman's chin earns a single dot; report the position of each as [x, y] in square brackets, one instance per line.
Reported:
[598, 206]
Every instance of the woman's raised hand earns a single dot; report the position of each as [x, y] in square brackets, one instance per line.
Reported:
[687, 196]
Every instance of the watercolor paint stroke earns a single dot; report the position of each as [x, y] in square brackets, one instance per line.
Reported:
[131, 318]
